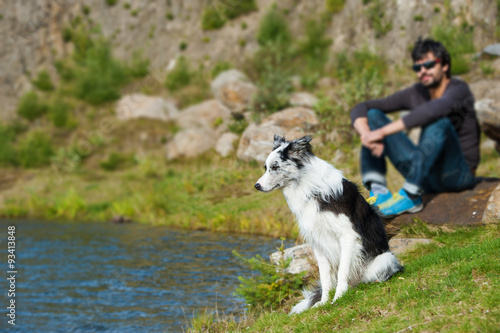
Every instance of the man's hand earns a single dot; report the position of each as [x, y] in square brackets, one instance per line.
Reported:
[373, 141]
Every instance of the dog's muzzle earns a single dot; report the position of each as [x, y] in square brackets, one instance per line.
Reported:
[258, 187]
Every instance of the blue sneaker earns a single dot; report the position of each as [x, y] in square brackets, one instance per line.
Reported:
[378, 199]
[401, 203]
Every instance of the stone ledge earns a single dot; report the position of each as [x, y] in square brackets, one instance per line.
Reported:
[302, 256]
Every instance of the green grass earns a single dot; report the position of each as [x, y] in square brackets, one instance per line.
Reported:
[451, 285]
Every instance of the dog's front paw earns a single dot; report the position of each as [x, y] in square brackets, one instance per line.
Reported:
[319, 303]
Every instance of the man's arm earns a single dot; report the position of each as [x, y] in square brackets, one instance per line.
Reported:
[373, 139]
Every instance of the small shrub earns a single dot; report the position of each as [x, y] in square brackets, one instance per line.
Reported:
[169, 16]
[65, 71]
[314, 47]
[220, 67]
[347, 65]
[139, 66]
[8, 155]
[35, 150]
[235, 9]
[378, 18]
[183, 46]
[273, 28]
[180, 76]
[215, 15]
[30, 107]
[43, 81]
[459, 42]
[100, 76]
[486, 68]
[66, 34]
[272, 287]
[212, 18]
[59, 112]
[86, 10]
[111, 3]
[126, 5]
[117, 161]
[238, 126]
[418, 18]
[335, 6]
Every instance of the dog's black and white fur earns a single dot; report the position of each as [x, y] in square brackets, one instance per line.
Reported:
[346, 234]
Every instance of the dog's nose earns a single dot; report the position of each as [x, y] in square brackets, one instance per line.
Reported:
[258, 187]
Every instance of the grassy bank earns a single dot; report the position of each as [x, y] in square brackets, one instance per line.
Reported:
[451, 285]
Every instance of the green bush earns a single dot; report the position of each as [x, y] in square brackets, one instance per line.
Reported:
[215, 15]
[180, 76]
[117, 161]
[59, 112]
[100, 77]
[212, 18]
[362, 60]
[335, 6]
[238, 8]
[378, 19]
[8, 155]
[273, 28]
[272, 287]
[315, 46]
[459, 42]
[139, 66]
[43, 81]
[111, 2]
[35, 150]
[219, 68]
[30, 107]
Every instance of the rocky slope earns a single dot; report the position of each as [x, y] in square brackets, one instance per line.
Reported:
[34, 31]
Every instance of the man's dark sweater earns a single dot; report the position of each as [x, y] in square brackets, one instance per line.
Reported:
[457, 103]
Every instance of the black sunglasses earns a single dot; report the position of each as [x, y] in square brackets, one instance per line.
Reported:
[428, 65]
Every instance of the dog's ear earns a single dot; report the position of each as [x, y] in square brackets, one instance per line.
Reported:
[299, 147]
[278, 141]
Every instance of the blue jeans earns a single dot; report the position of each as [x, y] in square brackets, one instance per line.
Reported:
[436, 164]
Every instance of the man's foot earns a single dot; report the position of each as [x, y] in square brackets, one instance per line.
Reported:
[401, 203]
[378, 199]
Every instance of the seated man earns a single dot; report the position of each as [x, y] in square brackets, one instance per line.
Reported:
[446, 158]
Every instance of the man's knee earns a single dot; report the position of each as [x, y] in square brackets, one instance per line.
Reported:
[377, 119]
[437, 132]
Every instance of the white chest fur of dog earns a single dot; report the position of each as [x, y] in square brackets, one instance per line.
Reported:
[346, 234]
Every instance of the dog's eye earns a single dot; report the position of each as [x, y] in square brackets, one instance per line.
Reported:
[274, 167]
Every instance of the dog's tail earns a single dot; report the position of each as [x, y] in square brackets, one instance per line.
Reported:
[311, 297]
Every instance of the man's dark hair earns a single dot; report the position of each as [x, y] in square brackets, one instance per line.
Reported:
[424, 46]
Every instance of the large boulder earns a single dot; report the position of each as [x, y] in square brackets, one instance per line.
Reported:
[233, 89]
[488, 114]
[201, 127]
[257, 140]
[191, 142]
[304, 99]
[141, 106]
[210, 113]
[302, 257]
[462, 208]
[492, 50]
[225, 144]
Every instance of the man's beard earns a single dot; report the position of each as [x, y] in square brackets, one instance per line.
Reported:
[434, 83]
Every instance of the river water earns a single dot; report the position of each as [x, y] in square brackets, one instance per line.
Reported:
[102, 277]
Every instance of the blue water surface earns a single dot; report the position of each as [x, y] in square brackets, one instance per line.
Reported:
[103, 277]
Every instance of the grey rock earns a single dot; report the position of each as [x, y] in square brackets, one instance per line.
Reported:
[492, 49]
[135, 106]
[257, 140]
[233, 89]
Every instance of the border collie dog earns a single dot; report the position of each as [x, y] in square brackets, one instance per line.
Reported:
[346, 234]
